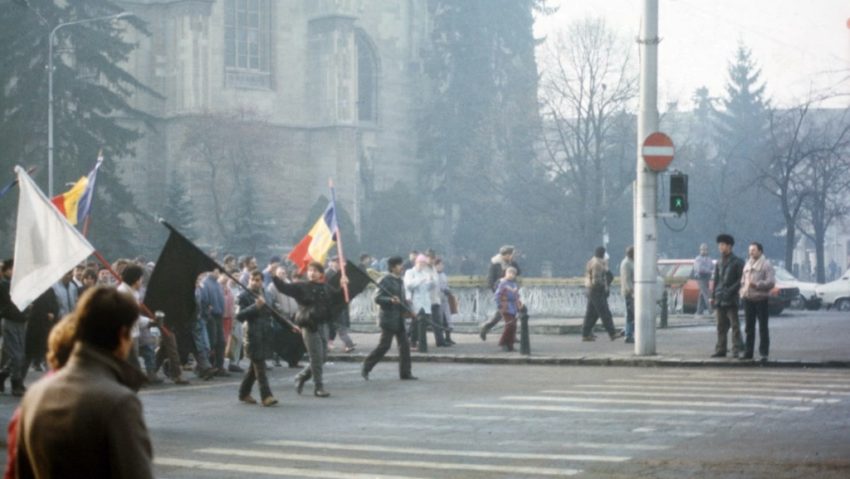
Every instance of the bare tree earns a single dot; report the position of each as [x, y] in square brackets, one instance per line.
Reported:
[587, 87]
[789, 149]
[225, 152]
[826, 175]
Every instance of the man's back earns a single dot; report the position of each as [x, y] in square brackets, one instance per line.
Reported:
[83, 422]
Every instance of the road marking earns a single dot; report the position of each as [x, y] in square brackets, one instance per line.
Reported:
[234, 384]
[348, 461]
[807, 380]
[662, 412]
[655, 402]
[472, 417]
[695, 395]
[759, 375]
[721, 382]
[443, 452]
[269, 470]
[751, 389]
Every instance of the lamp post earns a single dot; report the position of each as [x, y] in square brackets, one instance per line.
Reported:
[50, 39]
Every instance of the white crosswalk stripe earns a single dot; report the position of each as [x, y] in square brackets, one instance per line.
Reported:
[650, 402]
[445, 452]
[668, 412]
[750, 389]
[644, 393]
[360, 461]
[269, 470]
[720, 382]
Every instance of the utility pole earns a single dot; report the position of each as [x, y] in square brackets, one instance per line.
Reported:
[645, 221]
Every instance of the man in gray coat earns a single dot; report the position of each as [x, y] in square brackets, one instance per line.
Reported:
[86, 420]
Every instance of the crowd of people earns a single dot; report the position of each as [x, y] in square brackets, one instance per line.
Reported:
[93, 328]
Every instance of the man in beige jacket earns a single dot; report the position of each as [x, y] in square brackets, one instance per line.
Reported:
[756, 283]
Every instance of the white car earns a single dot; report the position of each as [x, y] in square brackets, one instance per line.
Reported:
[808, 298]
[836, 294]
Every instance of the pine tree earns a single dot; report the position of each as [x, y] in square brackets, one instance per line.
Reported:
[179, 210]
[90, 94]
[478, 130]
[250, 234]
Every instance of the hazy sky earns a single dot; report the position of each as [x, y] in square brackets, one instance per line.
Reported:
[800, 45]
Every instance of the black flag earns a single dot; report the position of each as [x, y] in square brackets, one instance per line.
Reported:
[358, 279]
[171, 288]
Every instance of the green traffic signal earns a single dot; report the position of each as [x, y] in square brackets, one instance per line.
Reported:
[678, 193]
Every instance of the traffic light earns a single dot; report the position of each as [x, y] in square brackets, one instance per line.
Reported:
[678, 193]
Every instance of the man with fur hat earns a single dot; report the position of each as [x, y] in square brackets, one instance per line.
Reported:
[727, 283]
[498, 265]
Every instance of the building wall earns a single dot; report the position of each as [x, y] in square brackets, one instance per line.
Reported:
[309, 100]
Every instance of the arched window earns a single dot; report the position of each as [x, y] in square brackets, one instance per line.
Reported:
[367, 79]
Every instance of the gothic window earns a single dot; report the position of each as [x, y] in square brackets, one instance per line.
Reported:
[367, 80]
[247, 44]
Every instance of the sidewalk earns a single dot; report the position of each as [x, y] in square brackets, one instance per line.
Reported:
[798, 340]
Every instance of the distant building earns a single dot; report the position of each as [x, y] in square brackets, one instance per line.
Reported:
[338, 82]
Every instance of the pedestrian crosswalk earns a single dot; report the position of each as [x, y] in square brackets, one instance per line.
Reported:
[561, 430]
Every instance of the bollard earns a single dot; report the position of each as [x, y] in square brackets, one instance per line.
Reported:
[524, 341]
[663, 303]
[423, 334]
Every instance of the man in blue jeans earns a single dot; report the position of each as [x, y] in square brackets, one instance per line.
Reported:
[211, 310]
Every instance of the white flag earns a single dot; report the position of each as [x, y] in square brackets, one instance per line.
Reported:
[46, 245]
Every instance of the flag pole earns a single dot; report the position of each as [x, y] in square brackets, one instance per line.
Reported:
[340, 254]
[14, 182]
[221, 268]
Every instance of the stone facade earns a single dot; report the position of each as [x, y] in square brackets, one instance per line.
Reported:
[337, 82]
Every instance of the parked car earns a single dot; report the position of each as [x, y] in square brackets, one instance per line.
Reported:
[836, 294]
[808, 298]
[678, 274]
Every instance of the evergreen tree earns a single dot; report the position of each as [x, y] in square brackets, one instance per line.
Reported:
[251, 234]
[90, 95]
[480, 124]
[739, 206]
[179, 210]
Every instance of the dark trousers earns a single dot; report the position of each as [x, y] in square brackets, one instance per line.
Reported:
[756, 310]
[384, 345]
[257, 372]
[597, 308]
[13, 363]
[497, 316]
[437, 318]
[509, 334]
[215, 330]
[168, 350]
[727, 318]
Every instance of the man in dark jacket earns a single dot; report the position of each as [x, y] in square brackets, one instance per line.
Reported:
[14, 332]
[727, 283]
[390, 298]
[498, 265]
[258, 341]
[86, 420]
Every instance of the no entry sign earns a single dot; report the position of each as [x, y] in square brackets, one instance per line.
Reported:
[657, 151]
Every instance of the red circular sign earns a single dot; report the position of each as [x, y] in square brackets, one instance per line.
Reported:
[657, 151]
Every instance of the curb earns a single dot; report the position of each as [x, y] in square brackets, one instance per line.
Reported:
[650, 361]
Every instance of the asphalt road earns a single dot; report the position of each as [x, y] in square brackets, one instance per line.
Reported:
[480, 421]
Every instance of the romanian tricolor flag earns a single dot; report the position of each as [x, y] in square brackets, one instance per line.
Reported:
[75, 203]
[320, 239]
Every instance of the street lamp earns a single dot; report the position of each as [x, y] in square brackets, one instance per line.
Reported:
[50, 39]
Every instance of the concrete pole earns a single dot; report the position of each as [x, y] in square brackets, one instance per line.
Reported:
[645, 221]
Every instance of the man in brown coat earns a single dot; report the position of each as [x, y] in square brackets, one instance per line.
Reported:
[86, 420]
